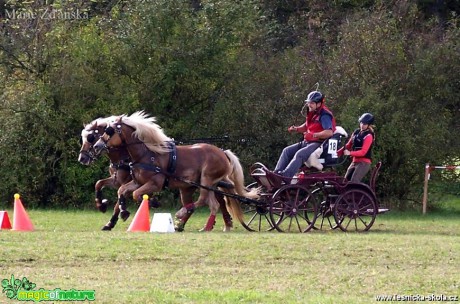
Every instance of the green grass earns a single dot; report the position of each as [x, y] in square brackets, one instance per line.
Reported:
[404, 253]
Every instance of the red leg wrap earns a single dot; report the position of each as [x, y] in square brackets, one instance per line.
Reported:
[210, 223]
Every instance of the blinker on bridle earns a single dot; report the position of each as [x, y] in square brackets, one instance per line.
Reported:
[110, 130]
[91, 138]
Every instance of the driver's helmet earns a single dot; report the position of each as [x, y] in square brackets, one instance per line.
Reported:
[315, 96]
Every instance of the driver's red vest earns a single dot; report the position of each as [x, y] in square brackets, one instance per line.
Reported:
[314, 123]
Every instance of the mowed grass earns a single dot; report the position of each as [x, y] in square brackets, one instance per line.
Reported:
[404, 254]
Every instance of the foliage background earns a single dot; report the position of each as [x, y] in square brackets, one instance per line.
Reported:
[212, 68]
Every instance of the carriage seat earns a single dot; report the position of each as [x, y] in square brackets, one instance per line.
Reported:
[326, 154]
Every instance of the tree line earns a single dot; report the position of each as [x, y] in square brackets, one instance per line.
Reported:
[224, 68]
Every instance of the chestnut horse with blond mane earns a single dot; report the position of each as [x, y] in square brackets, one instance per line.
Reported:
[157, 163]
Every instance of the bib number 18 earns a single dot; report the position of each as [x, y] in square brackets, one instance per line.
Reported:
[332, 147]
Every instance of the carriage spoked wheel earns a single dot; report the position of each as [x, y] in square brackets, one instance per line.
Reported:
[325, 216]
[355, 210]
[293, 209]
[256, 216]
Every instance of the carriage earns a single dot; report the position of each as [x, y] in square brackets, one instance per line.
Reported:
[316, 198]
[319, 200]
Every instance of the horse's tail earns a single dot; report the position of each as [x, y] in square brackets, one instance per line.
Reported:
[237, 178]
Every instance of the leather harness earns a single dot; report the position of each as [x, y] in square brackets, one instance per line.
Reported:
[171, 169]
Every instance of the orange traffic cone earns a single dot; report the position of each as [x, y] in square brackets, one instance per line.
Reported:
[4, 220]
[141, 221]
[21, 221]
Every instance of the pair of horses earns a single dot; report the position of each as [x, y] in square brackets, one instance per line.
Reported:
[145, 160]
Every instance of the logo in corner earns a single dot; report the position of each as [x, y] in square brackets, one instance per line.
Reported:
[23, 290]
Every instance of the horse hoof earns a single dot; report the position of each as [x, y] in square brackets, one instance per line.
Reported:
[179, 226]
[124, 214]
[103, 206]
[106, 228]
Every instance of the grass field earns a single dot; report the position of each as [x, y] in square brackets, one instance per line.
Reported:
[403, 254]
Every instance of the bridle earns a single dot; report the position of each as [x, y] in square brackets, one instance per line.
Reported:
[91, 138]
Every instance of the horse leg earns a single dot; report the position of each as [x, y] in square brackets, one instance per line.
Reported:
[225, 214]
[186, 211]
[113, 220]
[213, 207]
[124, 213]
[208, 197]
[122, 191]
[101, 203]
[120, 177]
[182, 219]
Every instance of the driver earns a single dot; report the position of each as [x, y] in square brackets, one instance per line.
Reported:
[319, 126]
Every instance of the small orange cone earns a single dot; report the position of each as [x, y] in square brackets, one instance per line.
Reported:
[21, 221]
[141, 221]
[4, 220]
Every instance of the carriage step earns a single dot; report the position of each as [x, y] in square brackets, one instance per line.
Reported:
[225, 185]
[383, 210]
[379, 211]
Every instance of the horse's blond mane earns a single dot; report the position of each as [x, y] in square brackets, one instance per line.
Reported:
[148, 131]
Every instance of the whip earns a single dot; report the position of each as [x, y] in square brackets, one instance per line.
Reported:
[211, 140]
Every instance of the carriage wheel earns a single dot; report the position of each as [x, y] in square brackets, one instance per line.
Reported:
[325, 218]
[256, 216]
[293, 209]
[355, 210]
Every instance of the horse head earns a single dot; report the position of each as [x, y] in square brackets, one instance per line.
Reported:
[89, 136]
[110, 137]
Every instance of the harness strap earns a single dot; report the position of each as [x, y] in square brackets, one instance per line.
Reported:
[122, 165]
[171, 164]
[145, 166]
